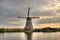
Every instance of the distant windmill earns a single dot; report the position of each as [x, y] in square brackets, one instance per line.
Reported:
[29, 26]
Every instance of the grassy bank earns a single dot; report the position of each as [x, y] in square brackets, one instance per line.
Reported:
[11, 30]
[48, 29]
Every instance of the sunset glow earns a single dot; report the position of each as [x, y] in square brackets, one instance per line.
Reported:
[52, 25]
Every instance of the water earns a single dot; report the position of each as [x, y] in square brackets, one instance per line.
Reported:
[32, 36]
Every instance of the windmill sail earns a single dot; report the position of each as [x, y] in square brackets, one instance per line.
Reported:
[28, 12]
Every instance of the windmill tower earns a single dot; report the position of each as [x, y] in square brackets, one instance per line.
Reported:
[28, 26]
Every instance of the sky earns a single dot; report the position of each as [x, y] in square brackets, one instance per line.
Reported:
[47, 10]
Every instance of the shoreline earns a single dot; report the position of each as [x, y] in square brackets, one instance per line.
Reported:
[48, 29]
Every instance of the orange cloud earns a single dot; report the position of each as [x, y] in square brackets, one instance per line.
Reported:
[54, 25]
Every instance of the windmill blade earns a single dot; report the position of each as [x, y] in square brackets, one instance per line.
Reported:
[34, 17]
[21, 17]
[28, 12]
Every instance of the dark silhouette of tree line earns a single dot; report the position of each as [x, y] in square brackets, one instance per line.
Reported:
[47, 29]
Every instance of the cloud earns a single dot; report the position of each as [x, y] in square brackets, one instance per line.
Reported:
[58, 10]
[10, 9]
[43, 13]
[13, 8]
[55, 19]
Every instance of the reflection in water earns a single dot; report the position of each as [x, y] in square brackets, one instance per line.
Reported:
[28, 36]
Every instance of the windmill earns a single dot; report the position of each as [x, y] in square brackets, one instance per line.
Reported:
[28, 26]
